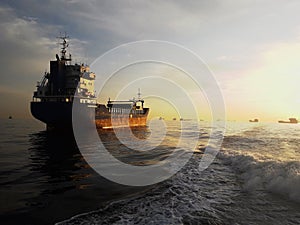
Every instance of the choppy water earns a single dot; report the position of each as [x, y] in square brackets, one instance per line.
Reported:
[255, 179]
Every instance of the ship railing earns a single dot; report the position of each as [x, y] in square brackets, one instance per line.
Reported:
[61, 98]
[124, 111]
[119, 111]
[124, 101]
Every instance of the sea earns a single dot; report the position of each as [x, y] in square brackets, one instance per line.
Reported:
[254, 178]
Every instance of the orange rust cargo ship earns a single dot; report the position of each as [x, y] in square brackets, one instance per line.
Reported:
[68, 83]
[121, 113]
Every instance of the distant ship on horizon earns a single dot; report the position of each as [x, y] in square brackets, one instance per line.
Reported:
[67, 83]
[254, 121]
[291, 120]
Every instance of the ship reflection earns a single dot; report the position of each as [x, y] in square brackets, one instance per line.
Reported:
[61, 179]
[57, 160]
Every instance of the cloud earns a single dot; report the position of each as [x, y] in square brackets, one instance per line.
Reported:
[25, 51]
[24, 45]
[27, 46]
[229, 35]
[119, 21]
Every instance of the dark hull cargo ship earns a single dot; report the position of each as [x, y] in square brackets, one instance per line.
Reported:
[67, 84]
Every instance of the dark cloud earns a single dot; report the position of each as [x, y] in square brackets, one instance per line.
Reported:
[23, 45]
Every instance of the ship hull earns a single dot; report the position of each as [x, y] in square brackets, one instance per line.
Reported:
[53, 114]
[58, 115]
[112, 121]
[280, 121]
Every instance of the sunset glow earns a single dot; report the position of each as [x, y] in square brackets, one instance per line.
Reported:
[252, 50]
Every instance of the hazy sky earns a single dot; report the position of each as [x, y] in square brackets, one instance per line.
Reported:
[252, 47]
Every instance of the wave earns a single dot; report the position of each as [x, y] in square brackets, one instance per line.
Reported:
[190, 197]
[277, 177]
[214, 196]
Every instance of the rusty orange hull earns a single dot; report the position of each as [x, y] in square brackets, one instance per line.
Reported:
[111, 121]
[120, 122]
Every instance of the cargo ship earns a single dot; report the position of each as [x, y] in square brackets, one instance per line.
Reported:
[68, 83]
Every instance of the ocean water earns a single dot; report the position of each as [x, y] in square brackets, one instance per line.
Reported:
[255, 178]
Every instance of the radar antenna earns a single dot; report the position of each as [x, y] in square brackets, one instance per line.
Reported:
[64, 47]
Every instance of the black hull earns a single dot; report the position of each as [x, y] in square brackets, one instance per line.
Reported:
[58, 115]
[52, 112]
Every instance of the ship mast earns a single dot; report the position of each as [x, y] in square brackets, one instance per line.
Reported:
[64, 47]
[139, 94]
[139, 97]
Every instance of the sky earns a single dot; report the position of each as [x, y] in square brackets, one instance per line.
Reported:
[251, 47]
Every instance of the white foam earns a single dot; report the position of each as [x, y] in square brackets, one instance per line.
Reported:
[275, 176]
[185, 199]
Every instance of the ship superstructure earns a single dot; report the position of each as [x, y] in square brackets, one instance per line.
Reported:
[61, 82]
